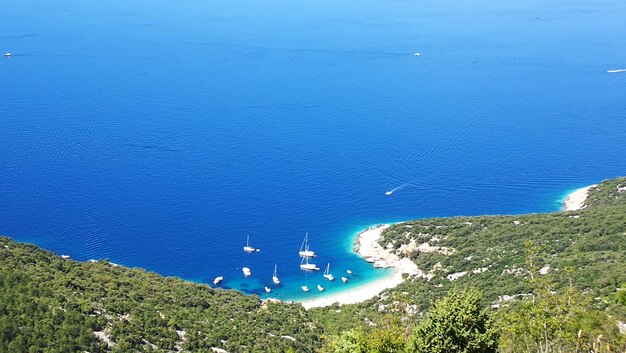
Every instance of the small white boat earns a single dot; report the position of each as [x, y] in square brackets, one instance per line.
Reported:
[616, 71]
[304, 248]
[7, 54]
[275, 276]
[217, 280]
[344, 279]
[246, 271]
[306, 266]
[267, 289]
[417, 54]
[65, 257]
[248, 248]
[305, 288]
[327, 273]
[388, 193]
[320, 288]
[349, 272]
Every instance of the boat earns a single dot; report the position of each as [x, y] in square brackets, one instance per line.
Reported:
[616, 71]
[275, 276]
[344, 279]
[217, 280]
[388, 193]
[267, 289]
[320, 288]
[306, 266]
[7, 54]
[65, 257]
[304, 248]
[349, 272]
[248, 248]
[305, 288]
[417, 54]
[327, 273]
[246, 271]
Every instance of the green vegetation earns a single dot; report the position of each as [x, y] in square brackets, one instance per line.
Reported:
[48, 304]
[540, 283]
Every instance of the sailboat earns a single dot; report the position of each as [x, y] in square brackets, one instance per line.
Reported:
[304, 248]
[306, 266]
[275, 276]
[218, 279]
[246, 271]
[248, 248]
[320, 288]
[327, 273]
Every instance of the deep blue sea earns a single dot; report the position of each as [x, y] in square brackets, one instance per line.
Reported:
[158, 134]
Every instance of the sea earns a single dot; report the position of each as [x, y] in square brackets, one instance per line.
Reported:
[160, 134]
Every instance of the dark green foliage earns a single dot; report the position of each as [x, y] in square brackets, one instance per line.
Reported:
[48, 304]
[457, 323]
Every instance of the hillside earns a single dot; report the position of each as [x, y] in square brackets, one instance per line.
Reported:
[56, 305]
[50, 304]
[586, 247]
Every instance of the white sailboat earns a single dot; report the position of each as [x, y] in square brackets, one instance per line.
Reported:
[248, 248]
[218, 279]
[327, 273]
[305, 288]
[304, 248]
[306, 266]
[320, 288]
[246, 271]
[275, 276]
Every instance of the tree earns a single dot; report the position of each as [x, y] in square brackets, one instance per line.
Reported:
[456, 323]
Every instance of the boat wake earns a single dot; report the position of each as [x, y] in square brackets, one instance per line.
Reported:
[388, 193]
[616, 71]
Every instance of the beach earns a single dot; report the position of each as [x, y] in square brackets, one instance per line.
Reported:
[576, 199]
[366, 245]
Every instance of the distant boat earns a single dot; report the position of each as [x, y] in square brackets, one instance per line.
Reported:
[305, 288]
[616, 71]
[304, 248]
[246, 271]
[267, 289]
[344, 279]
[65, 257]
[417, 54]
[275, 276]
[320, 288]
[389, 193]
[306, 266]
[349, 272]
[7, 54]
[327, 273]
[217, 280]
[248, 248]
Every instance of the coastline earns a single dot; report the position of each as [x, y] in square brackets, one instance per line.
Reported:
[366, 246]
[575, 200]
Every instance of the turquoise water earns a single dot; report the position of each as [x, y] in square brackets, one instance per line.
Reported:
[158, 134]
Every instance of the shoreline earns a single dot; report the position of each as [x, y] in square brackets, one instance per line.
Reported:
[575, 200]
[366, 246]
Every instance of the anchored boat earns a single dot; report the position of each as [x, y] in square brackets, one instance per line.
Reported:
[275, 276]
[304, 248]
[327, 273]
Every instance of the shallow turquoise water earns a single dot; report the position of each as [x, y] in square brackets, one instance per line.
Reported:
[158, 134]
